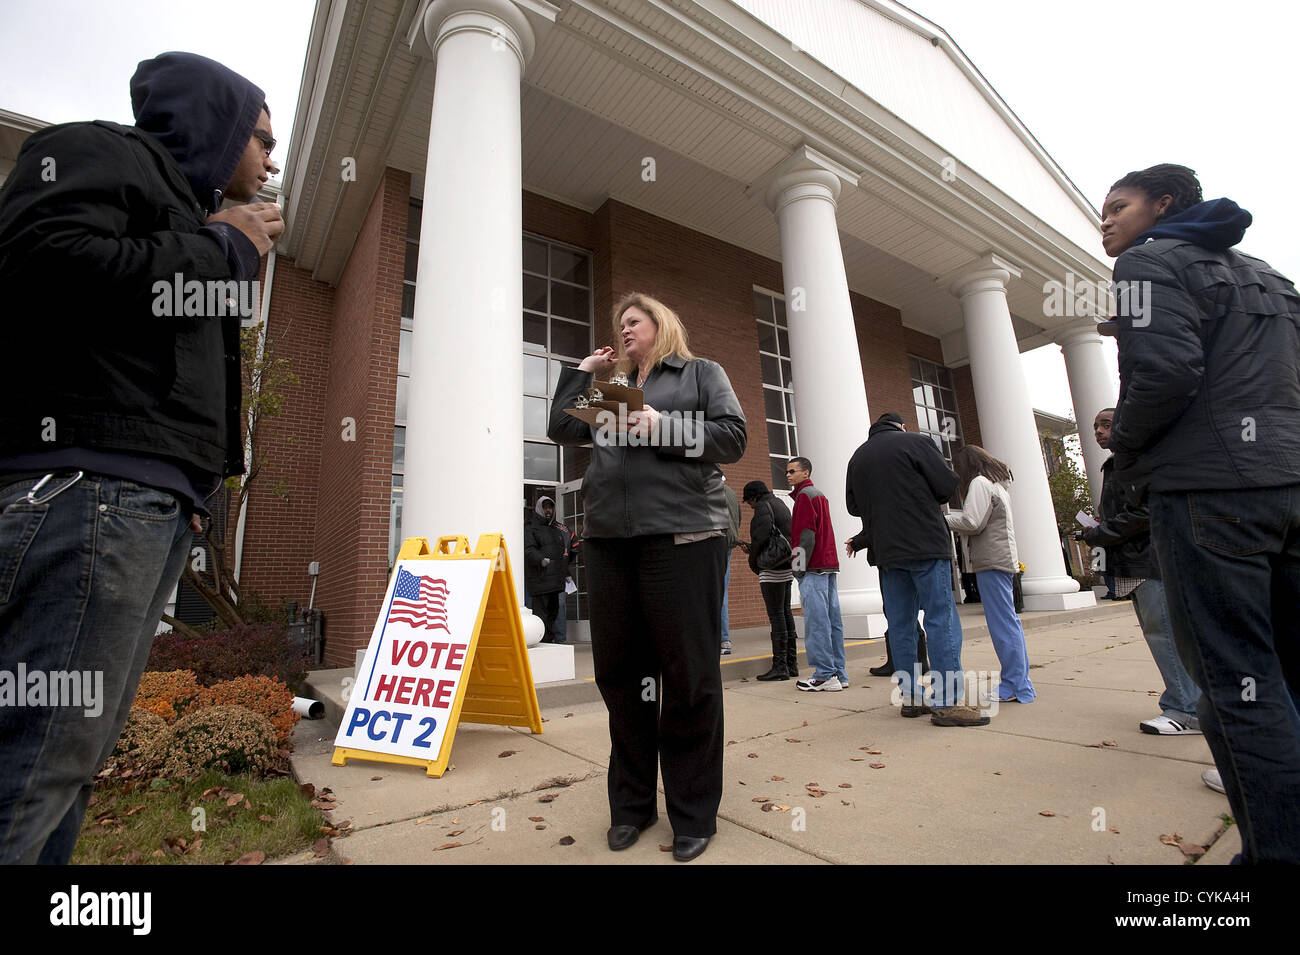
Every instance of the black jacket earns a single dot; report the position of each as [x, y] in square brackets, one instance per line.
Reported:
[896, 484]
[1124, 531]
[672, 488]
[1210, 366]
[769, 510]
[550, 540]
[92, 216]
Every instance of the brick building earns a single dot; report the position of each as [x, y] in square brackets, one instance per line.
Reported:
[840, 208]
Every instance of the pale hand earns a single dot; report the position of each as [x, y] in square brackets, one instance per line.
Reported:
[261, 222]
[600, 362]
[644, 422]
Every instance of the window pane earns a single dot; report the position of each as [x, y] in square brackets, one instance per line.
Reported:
[534, 293]
[399, 449]
[568, 265]
[413, 214]
[778, 473]
[569, 301]
[785, 373]
[776, 438]
[766, 337]
[534, 329]
[570, 339]
[535, 256]
[762, 306]
[775, 404]
[914, 369]
[412, 259]
[403, 386]
[556, 367]
[408, 301]
[535, 375]
[927, 395]
[789, 404]
[783, 337]
[535, 416]
[779, 306]
[794, 440]
[541, 462]
[771, 370]
[404, 339]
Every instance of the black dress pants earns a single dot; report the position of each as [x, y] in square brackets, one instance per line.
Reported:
[776, 600]
[656, 613]
[546, 607]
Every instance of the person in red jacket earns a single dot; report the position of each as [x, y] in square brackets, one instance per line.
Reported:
[815, 567]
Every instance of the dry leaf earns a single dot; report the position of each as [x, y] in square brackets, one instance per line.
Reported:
[134, 809]
[664, 848]
[1093, 745]
[805, 722]
[1190, 850]
[761, 799]
[846, 785]
[454, 833]
[256, 857]
[132, 857]
[567, 841]
[778, 779]
[567, 715]
[536, 818]
[1114, 830]
[321, 847]
[265, 818]
[549, 797]
[235, 799]
[307, 789]
[845, 802]
[423, 820]
[1109, 742]
[789, 740]
[1046, 812]
[766, 807]
[375, 778]
[539, 827]
[447, 845]
[247, 804]
[872, 752]
[752, 755]
[1171, 839]
[876, 765]
[505, 753]
[856, 759]
[156, 853]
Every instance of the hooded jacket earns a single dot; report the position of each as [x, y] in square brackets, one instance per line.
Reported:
[1209, 360]
[548, 549]
[811, 529]
[897, 483]
[770, 514]
[92, 218]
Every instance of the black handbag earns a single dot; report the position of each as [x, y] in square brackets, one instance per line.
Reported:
[776, 552]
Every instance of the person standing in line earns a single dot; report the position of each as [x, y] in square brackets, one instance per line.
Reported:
[733, 538]
[1209, 417]
[1124, 537]
[816, 567]
[549, 549]
[897, 484]
[655, 547]
[771, 518]
[989, 536]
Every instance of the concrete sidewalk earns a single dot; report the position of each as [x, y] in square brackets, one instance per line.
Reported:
[1066, 779]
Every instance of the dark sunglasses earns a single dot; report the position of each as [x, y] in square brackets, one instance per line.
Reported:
[266, 139]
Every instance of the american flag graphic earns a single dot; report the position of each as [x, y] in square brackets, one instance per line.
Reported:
[419, 601]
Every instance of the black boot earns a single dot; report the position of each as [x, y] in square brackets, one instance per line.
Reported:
[922, 657]
[887, 668]
[792, 654]
[777, 672]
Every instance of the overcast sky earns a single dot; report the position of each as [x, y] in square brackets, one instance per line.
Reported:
[1106, 86]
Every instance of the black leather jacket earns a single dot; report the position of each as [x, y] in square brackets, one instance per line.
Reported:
[1124, 530]
[672, 488]
[1209, 374]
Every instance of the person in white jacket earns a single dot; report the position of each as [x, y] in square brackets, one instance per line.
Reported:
[990, 538]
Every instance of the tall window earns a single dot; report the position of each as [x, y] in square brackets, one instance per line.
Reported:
[936, 405]
[778, 385]
[403, 378]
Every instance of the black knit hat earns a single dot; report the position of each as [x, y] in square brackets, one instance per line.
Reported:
[754, 490]
[893, 417]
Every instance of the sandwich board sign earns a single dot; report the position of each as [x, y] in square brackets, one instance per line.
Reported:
[448, 647]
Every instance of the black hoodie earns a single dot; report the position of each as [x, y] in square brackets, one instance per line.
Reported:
[91, 218]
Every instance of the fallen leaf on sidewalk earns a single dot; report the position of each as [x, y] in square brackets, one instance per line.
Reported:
[257, 857]
[1109, 742]
[805, 722]
[536, 818]
[856, 759]
[664, 848]
[1171, 839]
[876, 765]
[567, 715]
[1114, 830]
[321, 847]
[752, 755]
[447, 845]
[567, 841]
[423, 820]
[1046, 812]
[539, 826]
[846, 785]
[761, 799]
[777, 779]
[549, 797]
[508, 752]
[307, 789]
[789, 740]
[375, 778]
[454, 833]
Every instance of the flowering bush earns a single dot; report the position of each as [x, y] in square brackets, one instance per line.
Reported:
[261, 694]
[257, 649]
[230, 739]
[141, 747]
[166, 694]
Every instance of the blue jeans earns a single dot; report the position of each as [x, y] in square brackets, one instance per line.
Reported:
[1007, 634]
[1181, 693]
[915, 585]
[823, 634]
[84, 578]
[726, 590]
[1231, 568]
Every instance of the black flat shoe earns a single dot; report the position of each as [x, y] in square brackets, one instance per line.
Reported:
[686, 848]
[883, 670]
[622, 837]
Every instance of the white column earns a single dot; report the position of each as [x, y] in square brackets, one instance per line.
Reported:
[1007, 429]
[464, 433]
[833, 419]
[1092, 388]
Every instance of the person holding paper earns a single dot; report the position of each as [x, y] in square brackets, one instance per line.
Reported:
[655, 548]
[990, 538]
[549, 550]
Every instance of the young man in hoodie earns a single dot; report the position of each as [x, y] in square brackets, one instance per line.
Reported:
[1209, 415]
[119, 417]
[549, 549]
[816, 567]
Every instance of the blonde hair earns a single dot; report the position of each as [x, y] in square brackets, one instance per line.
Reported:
[670, 334]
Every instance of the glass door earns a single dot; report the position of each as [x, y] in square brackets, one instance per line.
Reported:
[578, 611]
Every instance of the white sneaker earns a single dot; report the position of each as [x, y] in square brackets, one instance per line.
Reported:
[818, 686]
[1212, 779]
[726, 648]
[1165, 726]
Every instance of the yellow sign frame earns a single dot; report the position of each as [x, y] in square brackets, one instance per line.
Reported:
[498, 686]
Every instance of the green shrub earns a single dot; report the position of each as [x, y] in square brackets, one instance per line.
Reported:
[230, 739]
